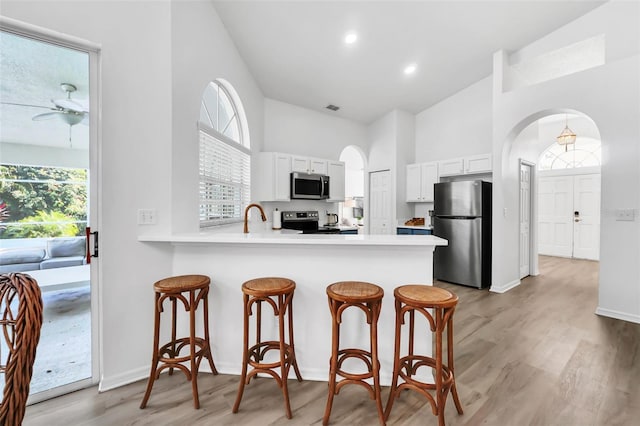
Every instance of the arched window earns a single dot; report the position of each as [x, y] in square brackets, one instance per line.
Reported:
[586, 152]
[225, 156]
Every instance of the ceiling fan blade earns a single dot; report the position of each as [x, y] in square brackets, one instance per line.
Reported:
[69, 104]
[26, 105]
[46, 116]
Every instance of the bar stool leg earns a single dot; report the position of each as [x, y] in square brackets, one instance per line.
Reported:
[207, 353]
[284, 368]
[291, 344]
[245, 355]
[154, 358]
[192, 348]
[454, 391]
[440, 395]
[396, 363]
[333, 363]
[375, 364]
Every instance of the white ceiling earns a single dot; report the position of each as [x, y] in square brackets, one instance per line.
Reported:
[296, 52]
[30, 75]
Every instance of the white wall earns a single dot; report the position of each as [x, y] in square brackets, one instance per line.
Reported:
[202, 51]
[609, 96]
[458, 126]
[295, 130]
[405, 148]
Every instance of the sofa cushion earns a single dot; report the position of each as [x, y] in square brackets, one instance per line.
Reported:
[66, 247]
[62, 262]
[19, 267]
[10, 256]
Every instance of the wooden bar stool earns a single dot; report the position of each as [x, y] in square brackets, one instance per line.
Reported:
[412, 298]
[278, 293]
[168, 355]
[368, 298]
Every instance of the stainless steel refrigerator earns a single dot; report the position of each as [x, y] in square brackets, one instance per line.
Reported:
[462, 215]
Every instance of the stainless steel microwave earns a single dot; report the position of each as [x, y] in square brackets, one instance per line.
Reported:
[306, 186]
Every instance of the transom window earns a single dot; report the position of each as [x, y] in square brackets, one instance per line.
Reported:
[585, 152]
[225, 157]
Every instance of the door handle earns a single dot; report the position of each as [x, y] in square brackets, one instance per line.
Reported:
[577, 220]
[95, 244]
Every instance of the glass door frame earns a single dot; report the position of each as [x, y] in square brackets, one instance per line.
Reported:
[94, 199]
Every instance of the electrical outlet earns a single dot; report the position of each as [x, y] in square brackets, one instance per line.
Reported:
[625, 215]
[147, 216]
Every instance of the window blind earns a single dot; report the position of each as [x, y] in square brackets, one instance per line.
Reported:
[225, 175]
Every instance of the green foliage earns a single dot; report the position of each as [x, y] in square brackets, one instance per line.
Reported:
[28, 192]
[43, 225]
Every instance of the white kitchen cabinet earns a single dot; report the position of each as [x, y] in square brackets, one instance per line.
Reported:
[452, 167]
[336, 181]
[309, 165]
[465, 165]
[420, 180]
[275, 177]
[478, 164]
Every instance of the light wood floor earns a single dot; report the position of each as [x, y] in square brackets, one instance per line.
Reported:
[537, 355]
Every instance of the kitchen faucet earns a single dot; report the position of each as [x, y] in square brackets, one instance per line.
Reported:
[246, 216]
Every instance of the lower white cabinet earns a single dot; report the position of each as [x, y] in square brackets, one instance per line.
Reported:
[420, 180]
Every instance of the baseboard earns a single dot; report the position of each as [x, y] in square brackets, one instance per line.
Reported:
[108, 383]
[313, 374]
[505, 288]
[618, 315]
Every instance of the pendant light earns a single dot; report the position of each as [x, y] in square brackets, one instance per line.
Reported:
[567, 137]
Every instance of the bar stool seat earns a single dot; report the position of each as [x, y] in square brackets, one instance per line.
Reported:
[278, 293]
[168, 355]
[368, 298]
[420, 298]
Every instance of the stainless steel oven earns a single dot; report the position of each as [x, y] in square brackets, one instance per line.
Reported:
[306, 186]
[305, 221]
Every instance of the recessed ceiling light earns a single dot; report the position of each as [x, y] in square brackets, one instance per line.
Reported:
[351, 37]
[410, 69]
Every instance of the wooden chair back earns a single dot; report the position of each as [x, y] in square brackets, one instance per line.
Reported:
[20, 323]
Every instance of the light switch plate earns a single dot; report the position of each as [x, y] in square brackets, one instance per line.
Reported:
[147, 216]
[625, 215]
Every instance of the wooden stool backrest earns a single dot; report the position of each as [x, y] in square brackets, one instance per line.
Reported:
[20, 326]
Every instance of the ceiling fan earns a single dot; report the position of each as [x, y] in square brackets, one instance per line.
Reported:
[68, 110]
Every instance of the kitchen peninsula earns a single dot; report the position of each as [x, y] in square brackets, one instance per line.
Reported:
[313, 261]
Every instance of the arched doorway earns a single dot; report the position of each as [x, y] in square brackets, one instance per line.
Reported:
[352, 210]
[558, 187]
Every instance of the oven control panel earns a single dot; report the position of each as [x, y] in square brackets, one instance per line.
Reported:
[300, 215]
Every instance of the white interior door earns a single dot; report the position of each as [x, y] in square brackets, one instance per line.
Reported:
[525, 219]
[380, 202]
[555, 201]
[569, 216]
[586, 226]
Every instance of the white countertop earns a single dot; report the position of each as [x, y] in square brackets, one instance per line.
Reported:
[287, 237]
[414, 227]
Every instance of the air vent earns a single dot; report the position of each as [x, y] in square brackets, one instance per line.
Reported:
[332, 107]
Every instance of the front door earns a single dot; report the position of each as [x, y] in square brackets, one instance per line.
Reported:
[569, 216]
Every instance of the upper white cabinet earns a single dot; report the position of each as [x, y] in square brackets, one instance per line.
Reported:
[466, 165]
[478, 164]
[336, 181]
[275, 177]
[309, 165]
[420, 180]
[275, 170]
